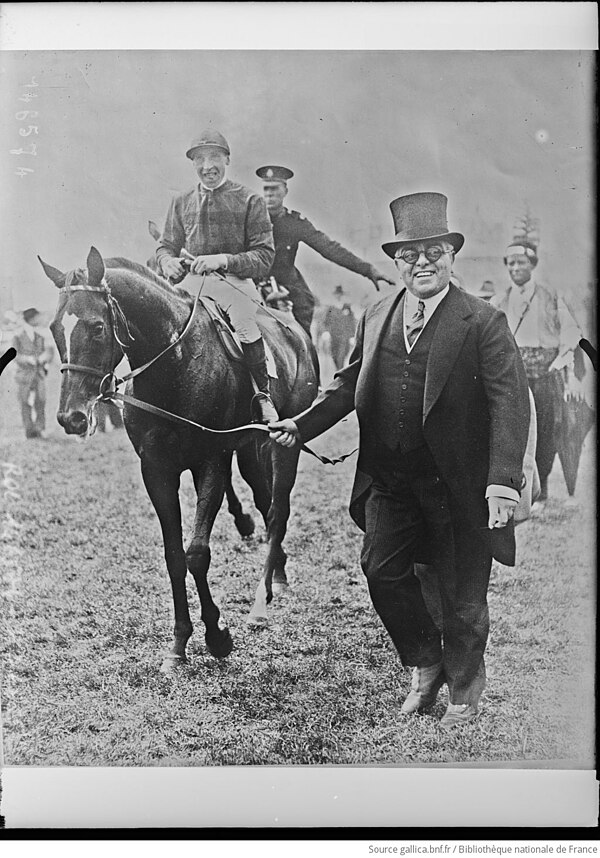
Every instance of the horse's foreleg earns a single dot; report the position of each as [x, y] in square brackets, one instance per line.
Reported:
[210, 481]
[274, 579]
[163, 489]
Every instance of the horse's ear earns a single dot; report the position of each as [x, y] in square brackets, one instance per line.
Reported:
[153, 230]
[95, 267]
[57, 277]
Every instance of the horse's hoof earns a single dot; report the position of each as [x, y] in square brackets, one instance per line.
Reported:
[221, 646]
[257, 621]
[171, 663]
[281, 588]
[245, 525]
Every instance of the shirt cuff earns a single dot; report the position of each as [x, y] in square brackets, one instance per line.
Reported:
[506, 492]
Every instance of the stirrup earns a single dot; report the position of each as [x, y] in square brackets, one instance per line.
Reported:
[268, 412]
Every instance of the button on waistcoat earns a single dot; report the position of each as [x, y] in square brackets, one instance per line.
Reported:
[401, 385]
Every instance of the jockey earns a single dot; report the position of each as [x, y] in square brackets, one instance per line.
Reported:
[226, 228]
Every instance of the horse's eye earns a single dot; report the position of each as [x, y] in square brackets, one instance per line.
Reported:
[97, 329]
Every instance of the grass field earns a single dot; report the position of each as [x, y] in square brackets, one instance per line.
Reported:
[86, 617]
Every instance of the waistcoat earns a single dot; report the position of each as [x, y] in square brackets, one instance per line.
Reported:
[398, 401]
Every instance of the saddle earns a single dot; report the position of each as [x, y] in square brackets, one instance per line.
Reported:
[229, 339]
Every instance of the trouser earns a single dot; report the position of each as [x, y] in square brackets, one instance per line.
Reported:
[303, 304]
[32, 399]
[237, 298]
[402, 511]
[545, 393]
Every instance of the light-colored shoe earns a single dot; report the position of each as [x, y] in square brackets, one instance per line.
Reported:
[458, 713]
[426, 682]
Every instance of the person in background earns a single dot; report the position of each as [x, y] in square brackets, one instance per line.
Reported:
[441, 396]
[547, 336]
[487, 290]
[340, 323]
[289, 229]
[34, 353]
[225, 227]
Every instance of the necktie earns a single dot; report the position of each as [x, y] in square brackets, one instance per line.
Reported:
[416, 324]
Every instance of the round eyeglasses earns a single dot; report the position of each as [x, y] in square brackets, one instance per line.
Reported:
[432, 254]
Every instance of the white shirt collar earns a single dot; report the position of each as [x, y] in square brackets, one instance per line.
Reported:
[411, 306]
[411, 303]
[210, 190]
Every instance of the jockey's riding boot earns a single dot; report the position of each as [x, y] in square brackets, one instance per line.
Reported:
[256, 361]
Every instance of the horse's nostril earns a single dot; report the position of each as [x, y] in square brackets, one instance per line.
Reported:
[74, 422]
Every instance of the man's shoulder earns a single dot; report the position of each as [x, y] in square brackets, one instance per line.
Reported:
[383, 305]
[298, 220]
[239, 190]
[480, 309]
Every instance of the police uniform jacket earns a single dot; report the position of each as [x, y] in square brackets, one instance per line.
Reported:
[289, 229]
[475, 407]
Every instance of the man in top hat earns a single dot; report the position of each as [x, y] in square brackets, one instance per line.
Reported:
[226, 228]
[441, 398]
[547, 336]
[289, 229]
[34, 353]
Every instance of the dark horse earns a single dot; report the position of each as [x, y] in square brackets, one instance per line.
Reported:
[123, 306]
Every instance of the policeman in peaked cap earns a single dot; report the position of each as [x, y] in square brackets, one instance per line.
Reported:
[289, 229]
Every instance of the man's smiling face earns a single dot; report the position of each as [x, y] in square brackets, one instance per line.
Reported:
[423, 277]
[210, 163]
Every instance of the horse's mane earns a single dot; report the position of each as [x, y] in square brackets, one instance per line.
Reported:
[148, 274]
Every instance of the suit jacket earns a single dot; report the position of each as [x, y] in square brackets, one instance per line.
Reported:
[37, 348]
[475, 409]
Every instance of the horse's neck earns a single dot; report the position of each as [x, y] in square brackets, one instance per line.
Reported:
[155, 318]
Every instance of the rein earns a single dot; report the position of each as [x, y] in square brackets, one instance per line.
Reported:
[109, 381]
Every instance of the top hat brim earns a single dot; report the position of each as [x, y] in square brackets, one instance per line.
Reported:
[456, 239]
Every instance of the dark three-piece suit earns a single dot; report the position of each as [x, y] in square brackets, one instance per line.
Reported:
[438, 425]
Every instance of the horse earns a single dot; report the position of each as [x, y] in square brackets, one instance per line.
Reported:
[243, 520]
[122, 307]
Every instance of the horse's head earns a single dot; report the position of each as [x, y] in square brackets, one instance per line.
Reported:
[93, 350]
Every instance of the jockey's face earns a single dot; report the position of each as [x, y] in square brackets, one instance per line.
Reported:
[210, 163]
[274, 196]
[519, 268]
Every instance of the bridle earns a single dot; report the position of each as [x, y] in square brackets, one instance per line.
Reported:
[109, 381]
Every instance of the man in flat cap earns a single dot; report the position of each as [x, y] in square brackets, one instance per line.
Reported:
[441, 397]
[289, 229]
[226, 228]
[34, 353]
[547, 336]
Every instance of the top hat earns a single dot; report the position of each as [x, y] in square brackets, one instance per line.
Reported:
[274, 175]
[30, 313]
[208, 138]
[421, 217]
